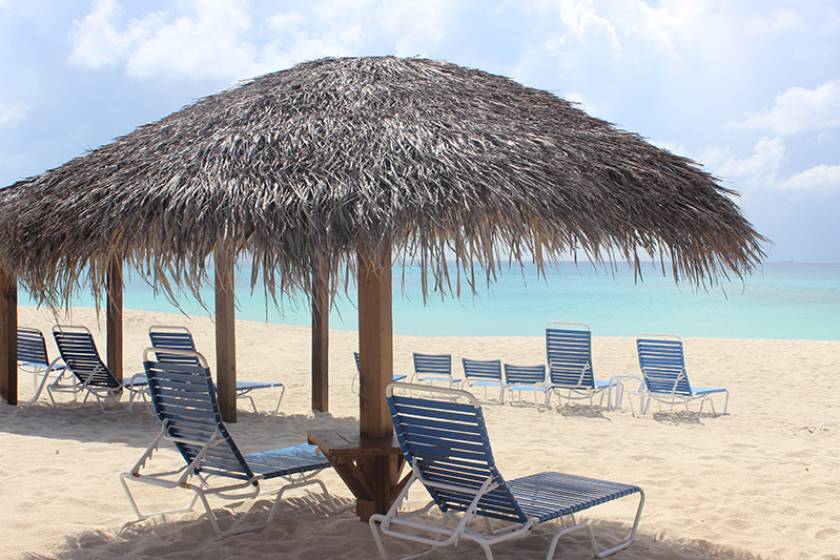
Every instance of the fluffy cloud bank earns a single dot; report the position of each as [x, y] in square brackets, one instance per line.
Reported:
[799, 109]
[225, 40]
[821, 178]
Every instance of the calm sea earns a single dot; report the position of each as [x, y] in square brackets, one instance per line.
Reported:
[779, 301]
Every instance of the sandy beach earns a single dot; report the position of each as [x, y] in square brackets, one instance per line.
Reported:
[758, 483]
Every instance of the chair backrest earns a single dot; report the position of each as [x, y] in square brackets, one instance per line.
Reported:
[433, 364]
[523, 375]
[176, 338]
[184, 400]
[78, 350]
[31, 347]
[662, 362]
[358, 362]
[447, 443]
[482, 369]
[568, 348]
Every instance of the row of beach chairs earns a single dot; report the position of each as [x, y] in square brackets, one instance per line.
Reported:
[80, 371]
[570, 374]
[441, 432]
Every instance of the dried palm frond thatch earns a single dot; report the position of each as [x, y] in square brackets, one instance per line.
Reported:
[340, 154]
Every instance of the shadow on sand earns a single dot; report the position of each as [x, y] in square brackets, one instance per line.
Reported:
[86, 423]
[305, 529]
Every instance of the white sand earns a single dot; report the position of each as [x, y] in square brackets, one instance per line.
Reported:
[762, 482]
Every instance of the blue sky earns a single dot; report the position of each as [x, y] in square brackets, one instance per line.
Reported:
[749, 89]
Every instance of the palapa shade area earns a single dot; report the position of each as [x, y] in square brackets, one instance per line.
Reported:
[350, 164]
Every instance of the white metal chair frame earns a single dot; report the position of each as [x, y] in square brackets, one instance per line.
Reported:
[38, 371]
[459, 525]
[672, 398]
[575, 392]
[241, 393]
[102, 394]
[188, 478]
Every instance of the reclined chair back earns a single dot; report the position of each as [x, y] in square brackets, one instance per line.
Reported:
[483, 369]
[524, 375]
[177, 338]
[662, 362]
[78, 350]
[433, 364]
[446, 444]
[32, 348]
[184, 400]
[568, 349]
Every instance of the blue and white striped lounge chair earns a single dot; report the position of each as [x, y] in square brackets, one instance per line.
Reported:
[354, 384]
[32, 358]
[180, 338]
[568, 349]
[184, 400]
[486, 374]
[662, 361]
[525, 379]
[92, 376]
[433, 368]
[444, 439]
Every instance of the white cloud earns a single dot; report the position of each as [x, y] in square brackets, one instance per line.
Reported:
[799, 109]
[780, 21]
[673, 147]
[758, 170]
[224, 39]
[11, 113]
[582, 102]
[821, 178]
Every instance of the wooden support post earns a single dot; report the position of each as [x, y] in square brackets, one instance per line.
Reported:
[8, 338]
[376, 356]
[321, 335]
[225, 333]
[114, 318]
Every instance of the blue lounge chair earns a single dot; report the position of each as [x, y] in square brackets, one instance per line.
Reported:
[522, 379]
[486, 374]
[32, 358]
[433, 368]
[184, 400]
[444, 439]
[662, 361]
[92, 376]
[354, 384]
[568, 349]
[180, 338]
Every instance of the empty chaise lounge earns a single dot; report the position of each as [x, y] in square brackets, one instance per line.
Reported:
[184, 400]
[32, 358]
[91, 375]
[568, 349]
[662, 361]
[445, 441]
[180, 338]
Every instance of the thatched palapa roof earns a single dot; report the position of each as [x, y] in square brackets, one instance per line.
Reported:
[337, 154]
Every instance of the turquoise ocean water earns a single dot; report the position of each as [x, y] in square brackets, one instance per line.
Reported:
[778, 301]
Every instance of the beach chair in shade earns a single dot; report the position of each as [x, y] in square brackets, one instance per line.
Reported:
[662, 361]
[184, 400]
[433, 368]
[444, 438]
[354, 384]
[525, 379]
[486, 374]
[568, 349]
[180, 338]
[32, 358]
[91, 377]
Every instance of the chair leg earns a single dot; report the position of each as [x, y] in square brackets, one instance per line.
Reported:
[140, 515]
[280, 399]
